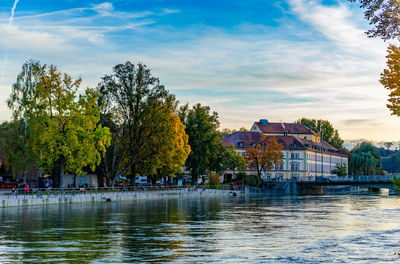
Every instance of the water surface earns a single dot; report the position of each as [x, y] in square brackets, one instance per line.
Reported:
[307, 229]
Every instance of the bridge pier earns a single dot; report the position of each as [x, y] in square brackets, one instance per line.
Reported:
[304, 190]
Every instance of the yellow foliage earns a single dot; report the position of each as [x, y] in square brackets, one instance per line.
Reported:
[390, 79]
[166, 147]
[265, 154]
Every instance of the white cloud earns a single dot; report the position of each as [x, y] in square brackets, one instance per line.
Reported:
[332, 70]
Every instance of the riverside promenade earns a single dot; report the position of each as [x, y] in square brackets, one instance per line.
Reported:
[8, 199]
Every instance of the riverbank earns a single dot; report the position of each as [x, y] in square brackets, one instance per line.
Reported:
[21, 200]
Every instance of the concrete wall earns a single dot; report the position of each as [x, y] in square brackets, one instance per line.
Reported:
[21, 200]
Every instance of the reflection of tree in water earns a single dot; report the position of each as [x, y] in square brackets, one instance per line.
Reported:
[80, 233]
[160, 231]
[67, 233]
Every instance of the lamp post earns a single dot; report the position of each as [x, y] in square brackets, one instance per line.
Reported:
[322, 153]
[291, 160]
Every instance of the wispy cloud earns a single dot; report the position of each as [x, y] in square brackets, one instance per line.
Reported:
[13, 12]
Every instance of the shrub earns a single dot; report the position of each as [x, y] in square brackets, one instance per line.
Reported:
[252, 180]
[214, 179]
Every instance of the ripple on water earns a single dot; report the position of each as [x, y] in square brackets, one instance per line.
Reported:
[309, 229]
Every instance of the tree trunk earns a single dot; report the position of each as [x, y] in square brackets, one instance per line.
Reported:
[61, 172]
[113, 182]
[194, 178]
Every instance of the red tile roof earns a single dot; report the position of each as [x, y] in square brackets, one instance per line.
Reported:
[281, 128]
[247, 138]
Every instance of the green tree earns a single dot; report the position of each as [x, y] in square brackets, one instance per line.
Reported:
[233, 160]
[68, 135]
[325, 128]
[128, 98]
[204, 139]
[365, 160]
[12, 145]
[227, 131]
[396, 182]
[340, 170]
[22, 102]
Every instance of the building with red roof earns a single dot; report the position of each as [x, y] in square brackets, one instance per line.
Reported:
[305, 155]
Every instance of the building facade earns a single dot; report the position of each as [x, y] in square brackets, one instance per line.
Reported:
[305, 155]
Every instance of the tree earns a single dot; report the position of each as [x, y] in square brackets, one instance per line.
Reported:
[325, 128]
[233, 160]
[204, 140]
[22, 102]
[388, 145]
[365, 160]
[12, 145]
[340, 170]
[384, 16]
[227, 131]
[67, 130]
[390, 79]
[128, 97]
[166, 148]
[265, 155]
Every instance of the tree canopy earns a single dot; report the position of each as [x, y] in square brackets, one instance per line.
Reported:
[148, 138]
[384, 16]
[325, 128]
[265, 155]
[365, 160]
[204, 139]
[63, 128]
[12, 145]
[390, 79]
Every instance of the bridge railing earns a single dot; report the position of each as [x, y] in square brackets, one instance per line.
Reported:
[355, 178]
[374, 178]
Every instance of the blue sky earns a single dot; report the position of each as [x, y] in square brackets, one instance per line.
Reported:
[280, 60]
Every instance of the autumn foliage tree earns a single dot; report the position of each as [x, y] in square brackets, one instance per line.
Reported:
[265, 155]
[148, 138]
[383, 15]
[166, 148]
[390, 79]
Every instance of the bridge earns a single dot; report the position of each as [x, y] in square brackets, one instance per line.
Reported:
[370, 181]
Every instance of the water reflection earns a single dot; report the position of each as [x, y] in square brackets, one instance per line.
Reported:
[307, 229]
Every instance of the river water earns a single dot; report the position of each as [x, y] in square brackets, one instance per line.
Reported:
[305, 229]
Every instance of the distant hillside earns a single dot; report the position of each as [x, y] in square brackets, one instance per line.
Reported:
[349, 144]
[390, 159]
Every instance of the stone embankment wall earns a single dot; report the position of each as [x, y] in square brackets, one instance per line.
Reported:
[21, 200]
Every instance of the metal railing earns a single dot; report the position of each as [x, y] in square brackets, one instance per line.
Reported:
[355, 179]
[21, 193]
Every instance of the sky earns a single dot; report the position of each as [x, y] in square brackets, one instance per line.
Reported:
[248, 60]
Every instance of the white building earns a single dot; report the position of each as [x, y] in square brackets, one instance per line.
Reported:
[305, 156]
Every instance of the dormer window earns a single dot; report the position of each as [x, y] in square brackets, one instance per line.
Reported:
[254, 144]
[240, 144]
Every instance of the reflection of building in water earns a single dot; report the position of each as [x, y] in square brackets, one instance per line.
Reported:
[304, 152]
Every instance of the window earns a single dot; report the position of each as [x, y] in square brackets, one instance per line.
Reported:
[240, 144]
[279, 167]
[295, 166]
[294, 156]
